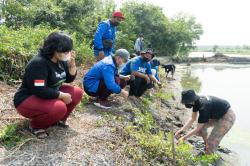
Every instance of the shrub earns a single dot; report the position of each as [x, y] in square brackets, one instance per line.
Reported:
[19, 46]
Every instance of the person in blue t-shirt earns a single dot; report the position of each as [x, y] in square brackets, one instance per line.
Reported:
[105, 36]
[102, 79]
[155, 68]
[141, 69]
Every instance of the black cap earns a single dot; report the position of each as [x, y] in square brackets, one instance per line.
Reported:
[148, 50]
[188, 96]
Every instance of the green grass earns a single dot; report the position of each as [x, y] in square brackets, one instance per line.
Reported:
[11, 137]
[151, 146]
[164, 95]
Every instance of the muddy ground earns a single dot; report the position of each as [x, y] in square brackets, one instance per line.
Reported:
[220, 58]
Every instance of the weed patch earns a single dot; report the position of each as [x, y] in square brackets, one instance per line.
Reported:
[10, 136]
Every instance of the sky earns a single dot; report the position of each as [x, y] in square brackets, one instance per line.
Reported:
[224, 22]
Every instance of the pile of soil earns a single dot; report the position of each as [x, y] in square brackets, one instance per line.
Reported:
[220, 58]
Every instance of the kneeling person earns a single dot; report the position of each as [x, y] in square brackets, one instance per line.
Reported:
[141, 69]
[102, 79]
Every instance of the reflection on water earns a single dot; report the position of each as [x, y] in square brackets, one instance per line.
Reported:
[188, 81]
[230, 82]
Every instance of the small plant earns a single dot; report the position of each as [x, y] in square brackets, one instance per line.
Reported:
[110, 145]
[164, 96]
[146, 102]
[10, 137]
[85, 100]
[99, 123]
[206, 159]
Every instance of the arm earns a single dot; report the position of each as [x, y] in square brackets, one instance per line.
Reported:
[152, 78]
[127, 77]
[114, 41]
[101, 29]
[194, 131]
[109, 79]
[71, 68]
[135, 64]
[188, 124]
[138, 74]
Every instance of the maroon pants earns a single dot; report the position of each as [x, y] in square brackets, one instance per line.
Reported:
[46, 112]
[102, 92]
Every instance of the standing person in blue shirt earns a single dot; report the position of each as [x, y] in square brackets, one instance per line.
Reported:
[141, 69]
[102, 79]
[105, 36]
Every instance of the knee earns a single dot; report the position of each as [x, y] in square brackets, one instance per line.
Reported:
[77, 95]
[58, 110]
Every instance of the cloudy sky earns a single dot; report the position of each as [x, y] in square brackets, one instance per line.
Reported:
[225, 22]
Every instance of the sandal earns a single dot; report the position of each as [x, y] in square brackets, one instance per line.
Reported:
[39, 133]
[62, 124]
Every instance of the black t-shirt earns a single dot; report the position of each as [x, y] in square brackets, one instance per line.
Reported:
[210, 107]
[42, 78]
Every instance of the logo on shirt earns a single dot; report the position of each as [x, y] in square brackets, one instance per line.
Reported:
[39, 83]
[142, 70]
[62, 75]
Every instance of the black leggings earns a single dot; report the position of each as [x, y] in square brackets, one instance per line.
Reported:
[138, 87]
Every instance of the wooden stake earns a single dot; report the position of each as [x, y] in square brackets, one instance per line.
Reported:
[173, 144]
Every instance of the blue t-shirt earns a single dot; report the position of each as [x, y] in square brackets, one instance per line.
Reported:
[136, 64]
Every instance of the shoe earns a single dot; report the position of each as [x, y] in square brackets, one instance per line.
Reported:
[39, 133]
[62, 124]
[103, 104]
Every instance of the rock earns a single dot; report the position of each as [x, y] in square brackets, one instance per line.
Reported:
[224, 150]
[154, 130]
[167, 104]
[169, 119]
[177, 118]
[219, 55]
[178, 124]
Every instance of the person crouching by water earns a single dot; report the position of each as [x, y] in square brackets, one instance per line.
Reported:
[102, 79]
[42, 96]
[213, 112]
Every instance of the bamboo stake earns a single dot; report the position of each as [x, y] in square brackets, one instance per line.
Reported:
[173, 144]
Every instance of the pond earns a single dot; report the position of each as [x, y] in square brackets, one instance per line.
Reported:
[230, 82]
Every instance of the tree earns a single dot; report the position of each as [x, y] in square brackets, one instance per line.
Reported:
[215, 48]
[168, 36]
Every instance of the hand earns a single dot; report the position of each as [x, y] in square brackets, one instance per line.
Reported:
[65, 97]
[159, 83]
[147, 79]
[177, 133]
[181, 140]
[126, 78]
[72, 62]
[100, 56]
[124, 93]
